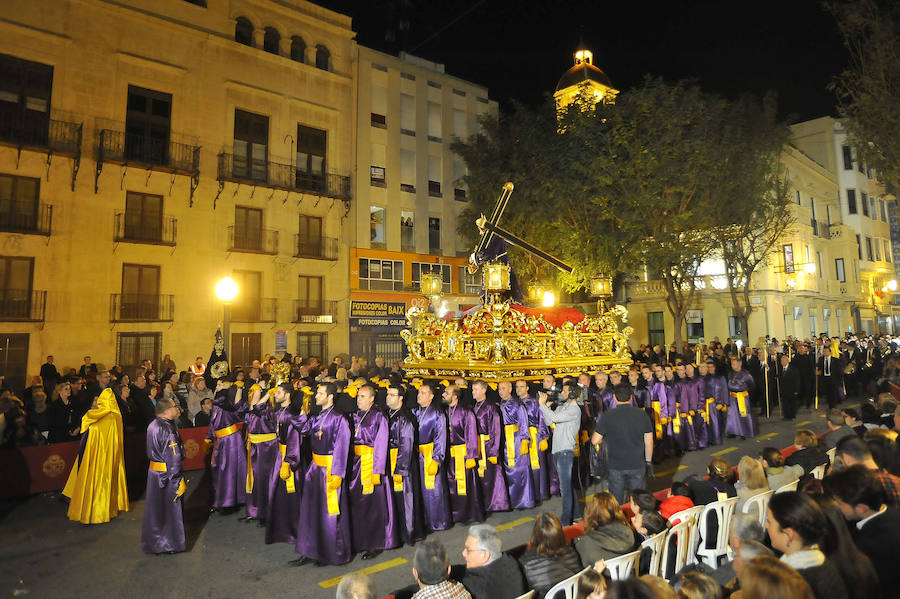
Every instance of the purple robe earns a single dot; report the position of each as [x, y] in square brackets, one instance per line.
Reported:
[283, 509]
[262, 455]
[539, 433]
[715, 396]
[516, 465]
[466, 504]
[490, 471]
[740, 382]
[229, 459]
[641, 395]
[163, 529]
[433, 449]
[374, 523]
[404, 457]
[686, 396]
[323, 530]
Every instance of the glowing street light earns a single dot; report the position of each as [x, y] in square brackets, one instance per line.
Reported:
[549, 299]
[810, 268]
[891, 285]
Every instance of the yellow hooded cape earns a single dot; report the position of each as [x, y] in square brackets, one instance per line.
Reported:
[96, 485]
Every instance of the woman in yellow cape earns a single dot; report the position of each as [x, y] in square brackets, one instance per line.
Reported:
[96, 485]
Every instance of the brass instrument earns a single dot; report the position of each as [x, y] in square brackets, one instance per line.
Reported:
[850, 368]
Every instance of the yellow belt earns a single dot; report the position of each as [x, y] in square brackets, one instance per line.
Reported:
[161, 467]
[510, 431]
[286, 475]
[426, 451]
[483, 461]
[709, 400]
[398, 485]
[252, 439]
[658, 420]
[741, 397]
[366, 466]
[229, 430]
[533, 449]
[324, 461]
[458, 453]
[676, 420]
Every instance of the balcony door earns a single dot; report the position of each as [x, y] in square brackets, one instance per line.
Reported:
[143, 216]
[310, 296]
[25, 88]
[245, 347]
[311, 144]
[19, 203]
[148, 122]
[310, 236]
[15, 287]
[140, 292]
[251, 139]
[248, 228]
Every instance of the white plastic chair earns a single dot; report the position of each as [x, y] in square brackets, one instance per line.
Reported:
[818, 472]
[832, 454]
[679, 531]
[791, 486]
[528, 595]
[624, 566]
[692, 537]
[566, 588]
[723, 510]
[761, 502]
[656, 544]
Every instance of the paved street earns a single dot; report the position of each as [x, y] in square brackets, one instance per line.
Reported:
[42, 554]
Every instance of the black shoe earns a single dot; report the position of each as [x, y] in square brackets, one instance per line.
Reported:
[302, 561]
[246, 519]
[370, 554]
[227, 511]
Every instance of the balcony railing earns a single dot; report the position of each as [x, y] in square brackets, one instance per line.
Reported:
[34, 219]
[263, 309]
[254, 241]
[141, 307]
[59, 137]
[22, 305]
[821, 229]
[315, 311]
[163, 154]
[323, 248]
[281, 175]
[161, 230]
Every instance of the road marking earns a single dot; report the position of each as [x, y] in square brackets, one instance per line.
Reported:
[399, 561]
[513, 524]
[671, 470]
[586, 498]
[804, 423]
[723, 451]
[766, 436]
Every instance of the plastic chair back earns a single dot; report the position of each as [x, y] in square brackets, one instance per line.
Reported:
[723, 510]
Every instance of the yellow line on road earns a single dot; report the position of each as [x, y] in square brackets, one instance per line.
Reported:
[723, 451]
[513, 524]
[804, 423]
[399, 561]
[766, 436]
[671, 471]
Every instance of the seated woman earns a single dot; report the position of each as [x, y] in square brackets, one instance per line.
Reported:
[549, 558]
[606, 531]
[719, 485]
[796, 526]
[808, 454]
[679, 499]
[752, 482]
[777, 473]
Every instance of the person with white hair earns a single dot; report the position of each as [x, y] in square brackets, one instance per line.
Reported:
[356, 585]
[490, 574]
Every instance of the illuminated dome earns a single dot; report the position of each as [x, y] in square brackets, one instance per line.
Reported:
[583, 70]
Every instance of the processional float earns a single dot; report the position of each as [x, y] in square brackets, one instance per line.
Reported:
[501, 341]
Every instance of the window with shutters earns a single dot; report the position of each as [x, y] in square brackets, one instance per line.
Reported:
[19, 203]
[248, 224]
[16, 275]
[407, 114]
[25, 88]
[408, 171]
[143, 216]
[311, 150]
[147, 126]
[140, 292]
[851, 201]
[251, 143]
[434, 121]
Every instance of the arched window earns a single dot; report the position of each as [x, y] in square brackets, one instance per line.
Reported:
[298, 49]
[243, 31]
[272, 41]
[323, 58]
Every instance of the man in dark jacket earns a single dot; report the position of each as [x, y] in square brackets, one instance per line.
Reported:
[789, 386]
[490, 574]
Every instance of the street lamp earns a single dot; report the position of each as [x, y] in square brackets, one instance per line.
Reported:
[226, 291]
[601, 288]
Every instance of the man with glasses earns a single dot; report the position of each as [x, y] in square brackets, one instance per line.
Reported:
[490, 574]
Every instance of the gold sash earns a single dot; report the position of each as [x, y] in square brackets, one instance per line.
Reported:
[741, 397]
[324, 461]
[229, 430]
[510, 431]
[676, 421]
[533, 448]
[398, 485]
[366, 466]
[158, 466]
[483, 461]
[709, 400]
[426, 451]
[252, 439]
[658, 420]
[161, 467]
[458, 453]
[289, 481]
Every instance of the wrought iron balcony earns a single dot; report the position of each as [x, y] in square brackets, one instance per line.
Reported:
[322, 248]
[141, 307]
[130, 228]
[36, 219]
[41, 133]
[315, 311]
[22, 305]
[263, 309]
[281, 175]
[253, 241]
[157, 153]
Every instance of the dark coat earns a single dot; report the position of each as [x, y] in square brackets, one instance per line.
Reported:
[500, 579]
[542, 572]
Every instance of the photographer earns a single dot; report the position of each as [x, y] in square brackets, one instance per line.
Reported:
[567, 418]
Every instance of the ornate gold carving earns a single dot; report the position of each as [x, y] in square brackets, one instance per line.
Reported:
[54, 466]
[191, 448]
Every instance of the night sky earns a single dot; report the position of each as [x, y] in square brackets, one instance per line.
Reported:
[520, 48]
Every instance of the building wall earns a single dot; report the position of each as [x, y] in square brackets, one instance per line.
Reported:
[97, 49]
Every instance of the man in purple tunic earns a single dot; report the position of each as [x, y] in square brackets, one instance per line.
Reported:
[229, 458]
[740, 417]
[262, 450]
[323, 530]
[432, 451]
[285, 481]
[516, 462]
[490, 439]
[687, 399]
[163, 530]
[539, 435]
[715, 400]
[374, 524]
[404, 456]
[462, 482]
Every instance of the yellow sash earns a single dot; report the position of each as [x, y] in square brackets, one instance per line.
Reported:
[510, 431]
[709, 400]
[252, 439]
[161, 467]
[458, 453]
[426, 451]
[482, 461]
[366, 466]
[229, 430]
[658, 420]
[398, 486]
[676, 421]
[533, 448]
[741, 397]
[324, 461]
[158, 466]
[289, 481]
